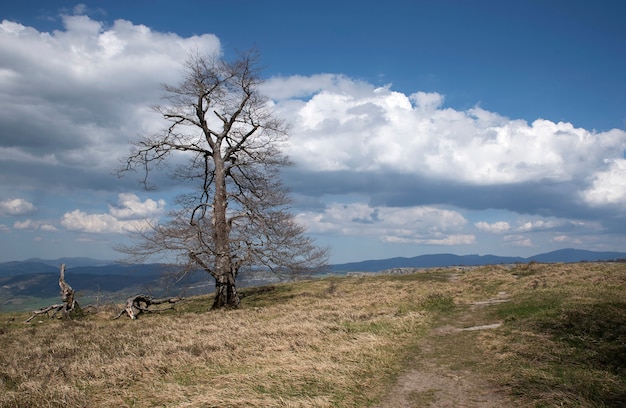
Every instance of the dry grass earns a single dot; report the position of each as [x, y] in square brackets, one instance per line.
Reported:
[336, 342]
[563, 342]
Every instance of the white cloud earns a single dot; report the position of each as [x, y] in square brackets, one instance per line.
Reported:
[535, 225]
[88, 86]
[518, 241]
[564, 239]
[304, 87]
[130, 207]
[26, 224]
[33, 225]
[129, 215]
[78, 220]
[539, 225]
[608, 186]
[448, 240]
[496, 228]
[427, 101]
[16, 206]
[423, 225]
[354, 126]
[47, 227]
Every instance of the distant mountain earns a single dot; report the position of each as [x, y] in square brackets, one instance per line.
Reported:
[36, 265]
[442, 260]
[72, 262]
[577, 255]
[21, 267]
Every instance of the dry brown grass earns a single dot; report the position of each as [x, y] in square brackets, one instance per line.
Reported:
[563, 342]
[336, 342]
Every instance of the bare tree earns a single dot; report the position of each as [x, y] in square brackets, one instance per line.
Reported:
[236, 213]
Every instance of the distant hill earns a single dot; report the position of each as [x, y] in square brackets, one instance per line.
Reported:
[73, 262]
[442, 260]
[36, 265]
[577, 255]
[25, 284]
[22, 267]
[38, 278]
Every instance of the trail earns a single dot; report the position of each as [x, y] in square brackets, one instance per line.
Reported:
[443, 373]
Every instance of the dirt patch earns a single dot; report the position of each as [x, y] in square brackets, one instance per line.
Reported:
[431, 387]
[446, 371]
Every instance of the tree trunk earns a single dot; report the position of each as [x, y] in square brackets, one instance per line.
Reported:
[67, 293]
[225, 287]
[69, 306]
[226, 294]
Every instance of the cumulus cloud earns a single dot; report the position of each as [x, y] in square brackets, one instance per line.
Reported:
[518, 241]
[17, 206]
[378, 129]
[73, 98]
[33, 225]
[298, 86]
[397, 150]
[496, 227]
[130, 207]
[131, 214]
[565, 239]
[354, 126]
[535, 225]
[418, 225]
[540, 225]
[608, 186]
[78, 220]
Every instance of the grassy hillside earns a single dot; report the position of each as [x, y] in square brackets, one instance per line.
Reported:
[560, 340]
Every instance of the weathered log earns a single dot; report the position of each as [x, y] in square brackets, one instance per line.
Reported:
[135, 305]
[67, 296]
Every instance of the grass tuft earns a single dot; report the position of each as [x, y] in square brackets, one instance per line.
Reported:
[438, 302]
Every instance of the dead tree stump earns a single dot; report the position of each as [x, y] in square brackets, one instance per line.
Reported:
[68, 306]
[138, 304]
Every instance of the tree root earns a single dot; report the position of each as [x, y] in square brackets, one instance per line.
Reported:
[138, 304]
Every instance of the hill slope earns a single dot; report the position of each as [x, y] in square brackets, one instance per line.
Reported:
[494, 336]
[23, 281]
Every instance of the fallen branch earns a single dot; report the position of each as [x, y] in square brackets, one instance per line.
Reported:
[46, 310]
[138, 304]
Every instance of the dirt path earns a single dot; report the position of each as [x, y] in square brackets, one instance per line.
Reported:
[445, 371]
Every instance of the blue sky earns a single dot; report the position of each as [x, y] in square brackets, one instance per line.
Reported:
[488, 127]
